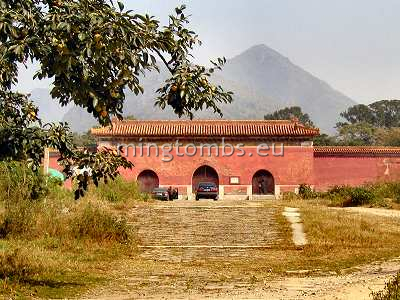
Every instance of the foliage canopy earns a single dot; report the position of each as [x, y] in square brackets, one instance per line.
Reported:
[92, 51]
[383, 113]
[288, 113]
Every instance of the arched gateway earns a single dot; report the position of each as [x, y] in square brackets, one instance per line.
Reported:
[233, 173]
[263, 183]
[204, 174]
[147, 180]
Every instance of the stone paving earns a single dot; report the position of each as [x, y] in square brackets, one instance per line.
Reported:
[187, 229]
[293, 216]
[190, 249]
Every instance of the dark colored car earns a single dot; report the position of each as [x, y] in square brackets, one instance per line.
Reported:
[160, 194]
[207, 190]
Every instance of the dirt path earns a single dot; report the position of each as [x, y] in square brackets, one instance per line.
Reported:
[356, 285]
[383, 212]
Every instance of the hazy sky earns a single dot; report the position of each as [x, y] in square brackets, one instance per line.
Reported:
[354, 45]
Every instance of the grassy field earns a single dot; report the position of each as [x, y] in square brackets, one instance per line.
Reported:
[61, 268]
[52, 246]
[55, 247]
[339, 239]
[66, 257]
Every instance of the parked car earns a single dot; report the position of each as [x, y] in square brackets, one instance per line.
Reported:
[207, 190]
[160, 194]
[163, 193]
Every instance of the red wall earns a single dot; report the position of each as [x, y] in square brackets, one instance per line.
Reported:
[294, 167]
[298, 165]
[54, 165]
[331, 171]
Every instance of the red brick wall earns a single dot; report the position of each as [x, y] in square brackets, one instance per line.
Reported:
[331, 171]
[235, 190]
[53, 162]
[294, 167]
[54, 165]
[297, 165]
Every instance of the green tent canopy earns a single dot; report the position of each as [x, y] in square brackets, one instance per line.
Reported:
[56, 174]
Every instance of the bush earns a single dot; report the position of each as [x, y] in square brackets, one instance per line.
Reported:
[351, 196]
[22, 192]
[17, 265]
[18, 182]
[361, 196]
[18, 219]
[306, 192]
[338, 200]
[342, 191]
[29, 220]
[119, 190]
[394, 188]
[391, 290]
[38, 207]
[374, 194]
[99, 225]
[389, 190]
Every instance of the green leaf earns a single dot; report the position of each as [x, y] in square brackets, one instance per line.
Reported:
[145, 58]
[94, 102]
[121, 6]
[81, 36]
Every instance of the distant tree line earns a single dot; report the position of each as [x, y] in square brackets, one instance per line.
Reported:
[363, 125]
[85, 140]
[288, 113]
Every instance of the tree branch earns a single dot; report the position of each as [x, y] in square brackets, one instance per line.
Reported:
[164, 60]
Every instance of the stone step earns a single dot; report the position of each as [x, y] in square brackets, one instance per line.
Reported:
[263, 197]
[175, 232]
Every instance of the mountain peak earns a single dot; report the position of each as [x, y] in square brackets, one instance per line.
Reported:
[267, 72]
[261, 53]
[260, 48]
[262, 81]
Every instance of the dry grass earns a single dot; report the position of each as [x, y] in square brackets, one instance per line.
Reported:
[17, 264]
[339, 239]
[58, 247]
[52, 246]
[59, 266]
[74, 257]
[46, 268]
[391, 290]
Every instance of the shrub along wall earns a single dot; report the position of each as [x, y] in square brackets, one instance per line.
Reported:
[379, 194]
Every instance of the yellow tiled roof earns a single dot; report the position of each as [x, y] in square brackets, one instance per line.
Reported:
[205, 128]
